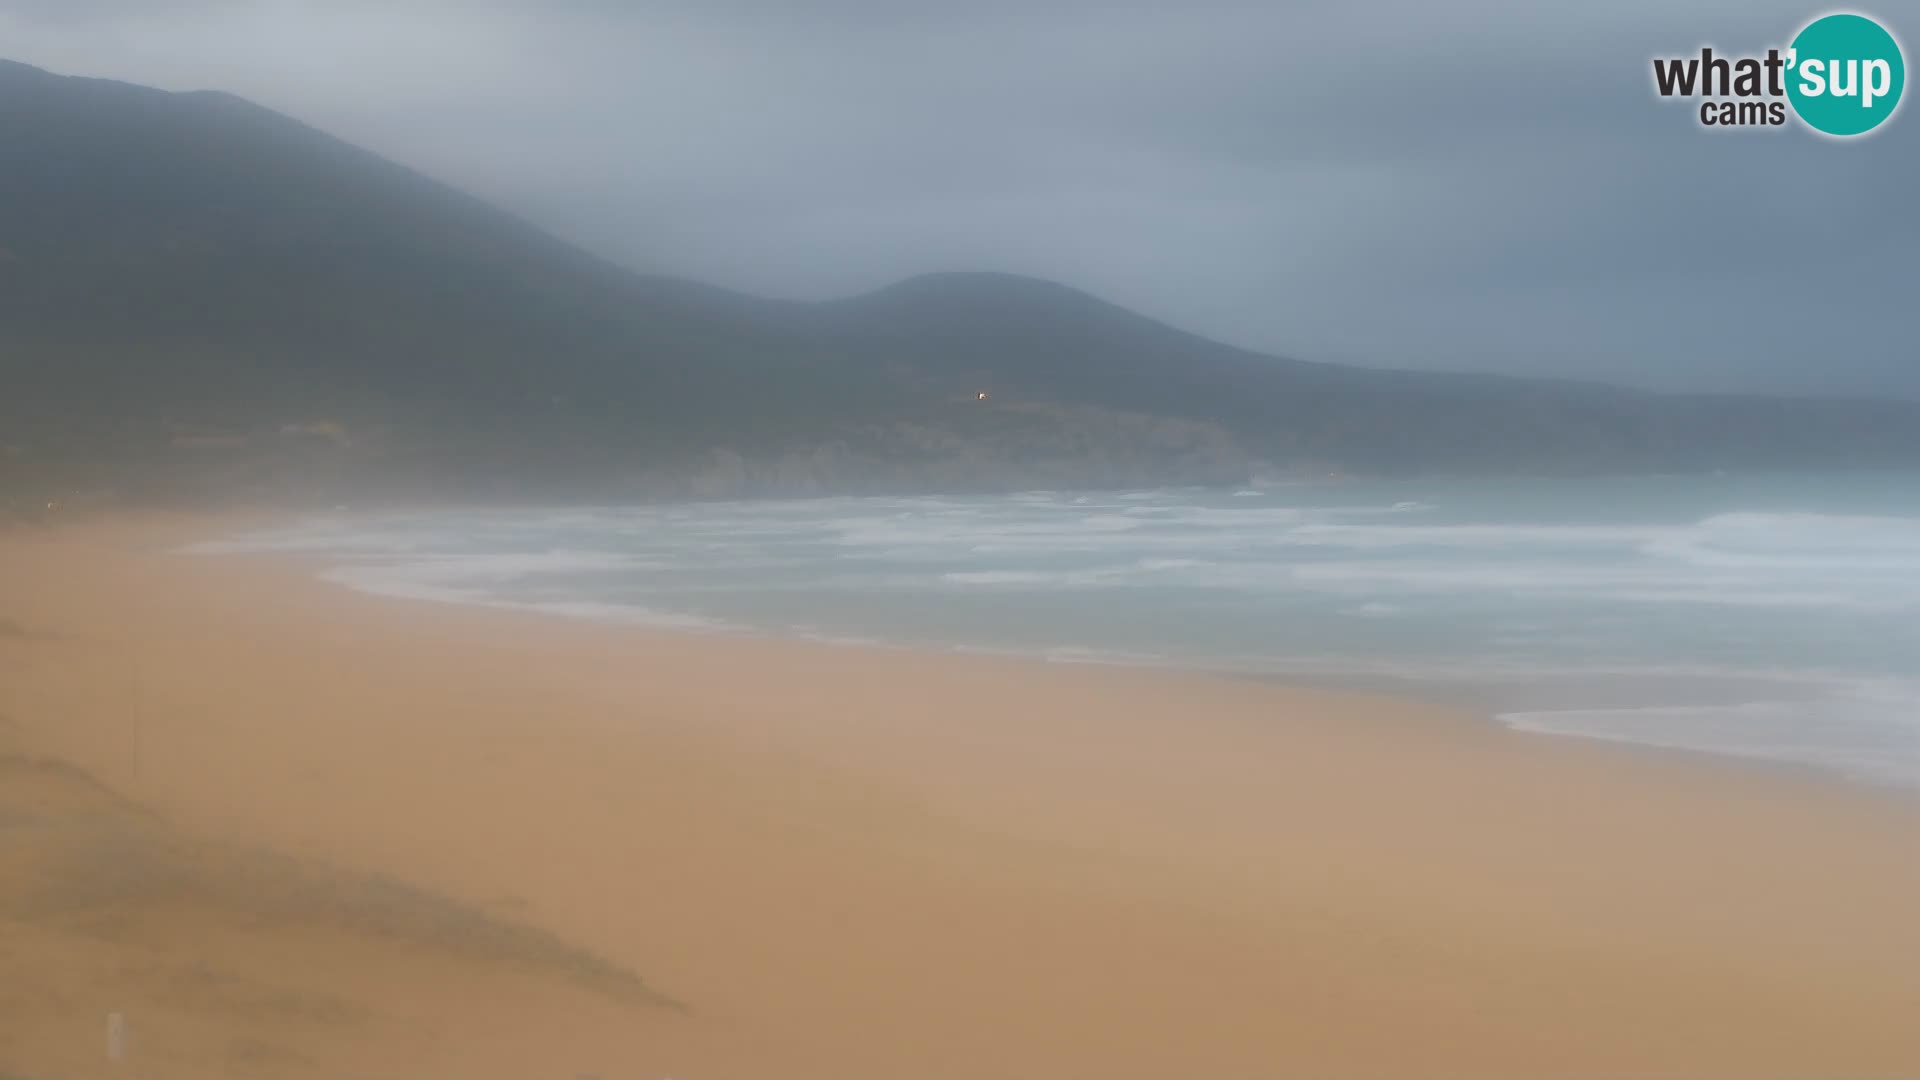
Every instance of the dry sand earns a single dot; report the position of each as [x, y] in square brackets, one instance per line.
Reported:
[293, 831]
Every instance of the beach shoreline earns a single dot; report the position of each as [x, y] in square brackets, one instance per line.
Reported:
[854, 862]
[1669, 620]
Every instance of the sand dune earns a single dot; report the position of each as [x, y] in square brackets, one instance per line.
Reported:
[226, 960]
[294, 831]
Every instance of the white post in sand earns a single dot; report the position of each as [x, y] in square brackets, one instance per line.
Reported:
[116, 1037]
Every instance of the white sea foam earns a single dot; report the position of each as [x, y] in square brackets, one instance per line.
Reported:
[1862, 739]
[1497, 535]
[1845, 543]
[485, 569]
[447, 583]
[1005, 577]
[634, 614]
[1574, 620]
[319, 538]
[1373, 609]
[1171, 564]
[829, 637]
[1082, 654]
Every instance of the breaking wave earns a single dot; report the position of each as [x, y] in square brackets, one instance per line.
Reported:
[1661, 613]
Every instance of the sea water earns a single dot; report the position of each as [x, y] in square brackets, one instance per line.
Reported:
[1766, 617]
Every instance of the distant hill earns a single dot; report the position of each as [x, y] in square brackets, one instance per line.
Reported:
[197, 291]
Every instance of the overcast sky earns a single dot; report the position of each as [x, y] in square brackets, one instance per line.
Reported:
[1476, 185]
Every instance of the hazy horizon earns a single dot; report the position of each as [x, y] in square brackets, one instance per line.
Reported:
[1503, 197]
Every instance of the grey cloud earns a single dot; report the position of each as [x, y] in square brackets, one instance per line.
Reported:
[1480, 185]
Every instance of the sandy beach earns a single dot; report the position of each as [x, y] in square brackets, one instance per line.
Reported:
[290, 830]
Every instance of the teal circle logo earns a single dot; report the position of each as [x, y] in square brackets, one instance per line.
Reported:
[1845, 74]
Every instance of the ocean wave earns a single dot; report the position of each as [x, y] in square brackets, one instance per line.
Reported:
[1004, 577]
[417, 582]
[1850, 543]
[1519, 600]
[631, 614]
[1373, 609]
[1871, 741]
[1476, 536]
[321, 538]
[1086, 654]
[492, 568]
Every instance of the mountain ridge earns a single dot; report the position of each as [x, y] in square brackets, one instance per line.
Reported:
[190, 261]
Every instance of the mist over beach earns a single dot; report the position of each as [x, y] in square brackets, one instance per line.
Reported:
[826, 540]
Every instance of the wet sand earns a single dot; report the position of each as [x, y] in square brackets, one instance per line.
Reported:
[289, 830]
